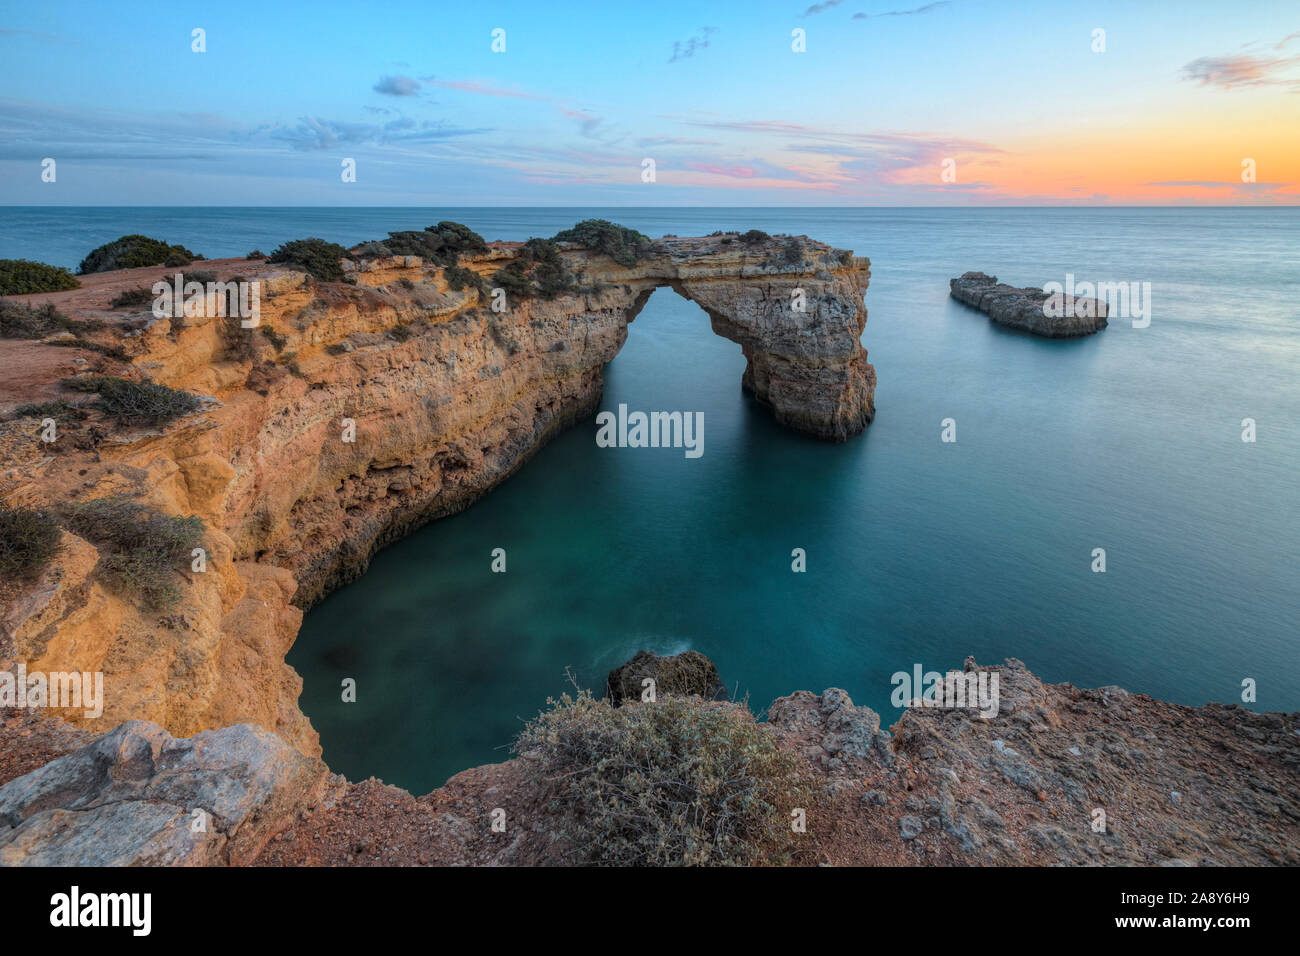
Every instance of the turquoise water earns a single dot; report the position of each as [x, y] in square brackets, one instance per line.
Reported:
[918, 551]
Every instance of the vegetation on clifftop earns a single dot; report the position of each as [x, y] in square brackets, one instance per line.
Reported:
[625, 246]
[314, 256]
[680, 782]
[29, 540]
[23, 277]
[538, 270]
[134, 251]
[141, 549]
[443, 244]
[136, 403]
[18, 320]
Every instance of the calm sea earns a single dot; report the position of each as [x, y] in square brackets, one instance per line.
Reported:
[917, 551]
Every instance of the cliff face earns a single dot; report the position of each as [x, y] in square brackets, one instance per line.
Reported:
[351, 415]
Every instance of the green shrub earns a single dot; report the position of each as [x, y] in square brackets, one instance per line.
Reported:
[754, 236]
[313, 256]
[442, 244]
[256, 254]
[792, 252]
[625, 246]
[458, 238]
[538, 269]
[131, 252]
[58, 410]
[22, 277]
[133, 298]
[136, 403]
[514, 280]
[29, 540]
[371, 250]
[20, 321]
[141, 549]
[458, 278]
[679, 782]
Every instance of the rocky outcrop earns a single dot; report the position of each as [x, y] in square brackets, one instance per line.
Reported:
[1060, 776]
[689, 672]
[1054, 315]
[139, 797]
[353, 413]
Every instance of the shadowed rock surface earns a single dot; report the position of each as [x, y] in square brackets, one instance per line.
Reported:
[1052, 315]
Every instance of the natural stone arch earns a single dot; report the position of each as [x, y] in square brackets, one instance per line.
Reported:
[805, 364]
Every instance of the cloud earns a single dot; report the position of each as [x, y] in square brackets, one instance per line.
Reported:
[1245, 69]
[752, 169]
[682, 50]
[925, 8]
[397, 86]
[674, 141]
[587, 122]
[482, 89]
[1215, 184]
[315, 133]
[817, 8]
[837, 142]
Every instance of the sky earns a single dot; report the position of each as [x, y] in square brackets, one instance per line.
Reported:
[889, 102]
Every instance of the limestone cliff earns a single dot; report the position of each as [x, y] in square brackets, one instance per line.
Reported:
[446, 398]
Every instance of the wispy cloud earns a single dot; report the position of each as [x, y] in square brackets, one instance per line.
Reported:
[926, 8]
[316, 133]
[817, 8]
[483, 89]
[688, 48]
[397, 86]
[1245, 69]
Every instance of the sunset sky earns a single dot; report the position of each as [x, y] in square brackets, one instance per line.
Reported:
[887, 90]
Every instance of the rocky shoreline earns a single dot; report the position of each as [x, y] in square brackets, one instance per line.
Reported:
[1175, 785]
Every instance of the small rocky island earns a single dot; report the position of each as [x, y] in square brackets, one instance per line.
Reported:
[1054, 315]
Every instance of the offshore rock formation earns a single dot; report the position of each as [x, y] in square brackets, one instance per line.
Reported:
[446, 399]
[1210, 785]
[689, 672]
[1053, 315]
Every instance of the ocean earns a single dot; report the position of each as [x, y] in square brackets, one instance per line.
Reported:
[918, 551]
